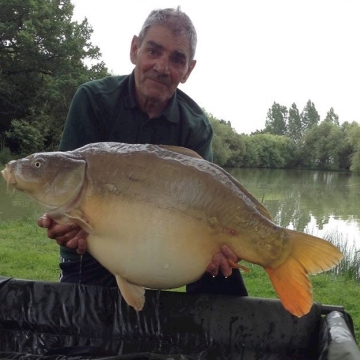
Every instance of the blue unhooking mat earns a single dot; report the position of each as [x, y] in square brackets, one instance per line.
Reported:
[46, 320]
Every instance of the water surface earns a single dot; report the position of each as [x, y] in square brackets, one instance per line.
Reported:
[318, 202]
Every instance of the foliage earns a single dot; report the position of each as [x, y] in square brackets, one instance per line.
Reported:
[308, 144]
[42, 54]
[322, 146]
[28, 136]
[228, 146]
[5, 155]
[353, 136]
[276, 121]
[294, 127]
[309, 116]
[332, 117]
[268, 151]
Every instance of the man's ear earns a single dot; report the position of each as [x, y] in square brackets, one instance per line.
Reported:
[133, 49]
[187, 74]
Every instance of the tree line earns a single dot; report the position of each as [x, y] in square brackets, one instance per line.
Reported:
[290, 140]
[45, 56]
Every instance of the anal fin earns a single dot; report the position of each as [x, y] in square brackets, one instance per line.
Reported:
[133, 294]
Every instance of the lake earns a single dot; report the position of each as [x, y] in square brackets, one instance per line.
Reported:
[317, 202]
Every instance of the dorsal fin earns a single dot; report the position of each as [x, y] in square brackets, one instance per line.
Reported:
[182, 150]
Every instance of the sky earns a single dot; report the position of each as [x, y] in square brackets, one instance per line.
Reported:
[250, 53]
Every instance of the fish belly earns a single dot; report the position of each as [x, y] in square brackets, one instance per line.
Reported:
[150, 246]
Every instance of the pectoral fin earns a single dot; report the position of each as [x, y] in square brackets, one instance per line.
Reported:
[133, 294]
[78, 217]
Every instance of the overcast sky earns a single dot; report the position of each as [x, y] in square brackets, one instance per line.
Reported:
[250, 53]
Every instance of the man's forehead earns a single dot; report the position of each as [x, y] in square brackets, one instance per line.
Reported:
[164, 38]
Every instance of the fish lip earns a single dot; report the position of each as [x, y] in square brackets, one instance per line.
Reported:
[9, 176]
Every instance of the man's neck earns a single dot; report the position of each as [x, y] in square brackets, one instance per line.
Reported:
[150, 106]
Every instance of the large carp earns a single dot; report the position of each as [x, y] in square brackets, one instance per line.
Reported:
[156, 215]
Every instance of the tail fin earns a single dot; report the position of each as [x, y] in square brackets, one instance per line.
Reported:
[309, 255]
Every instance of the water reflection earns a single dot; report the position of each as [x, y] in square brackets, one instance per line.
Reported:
[318, 202]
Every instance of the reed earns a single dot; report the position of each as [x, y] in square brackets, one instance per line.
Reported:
[349, 267]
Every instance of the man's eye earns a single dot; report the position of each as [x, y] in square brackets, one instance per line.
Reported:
[153, 51]
[178, 60]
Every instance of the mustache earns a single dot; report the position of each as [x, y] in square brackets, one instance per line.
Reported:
[160, 78]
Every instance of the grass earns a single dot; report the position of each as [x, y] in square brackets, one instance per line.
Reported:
[27, 253]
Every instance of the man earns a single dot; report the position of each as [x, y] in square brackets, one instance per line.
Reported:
[143, 107]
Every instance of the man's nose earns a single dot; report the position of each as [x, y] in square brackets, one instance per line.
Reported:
[162, 65]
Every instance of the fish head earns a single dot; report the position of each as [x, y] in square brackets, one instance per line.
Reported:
[53, 179]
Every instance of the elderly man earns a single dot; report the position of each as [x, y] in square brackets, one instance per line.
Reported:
[143, 107]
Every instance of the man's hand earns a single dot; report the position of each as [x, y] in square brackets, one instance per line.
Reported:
[70, 235]
[220, 262]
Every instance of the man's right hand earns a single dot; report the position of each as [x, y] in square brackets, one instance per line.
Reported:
[70, 235]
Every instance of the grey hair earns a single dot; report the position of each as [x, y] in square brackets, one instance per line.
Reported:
[175, 20]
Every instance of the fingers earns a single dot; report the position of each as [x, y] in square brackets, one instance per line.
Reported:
[44, 221]
[69, 235]
[62, 232]
[220, 262]
[78, 242]
[213, 267]
[228, 253]
[64, 238]
[71, 238]
[81, 246]
[224, 267]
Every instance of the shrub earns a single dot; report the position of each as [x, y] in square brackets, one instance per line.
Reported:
[5, 155]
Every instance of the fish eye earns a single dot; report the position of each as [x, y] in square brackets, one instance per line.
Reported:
[38, 163]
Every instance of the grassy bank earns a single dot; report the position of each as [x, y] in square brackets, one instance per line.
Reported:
[26, 252]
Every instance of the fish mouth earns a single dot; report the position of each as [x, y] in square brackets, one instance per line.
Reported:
[9, 176]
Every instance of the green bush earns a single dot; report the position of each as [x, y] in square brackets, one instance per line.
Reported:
[5, 155]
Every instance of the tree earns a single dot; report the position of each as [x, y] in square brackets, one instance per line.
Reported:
[42, 53]
[353, 136]
[221, 151]
[332, 117]
[268, 151]
[276, 121]
[324, 146]
[294, 127]
[228, 146]
[309, 116]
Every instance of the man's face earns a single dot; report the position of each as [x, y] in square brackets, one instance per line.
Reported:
[161, 62]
